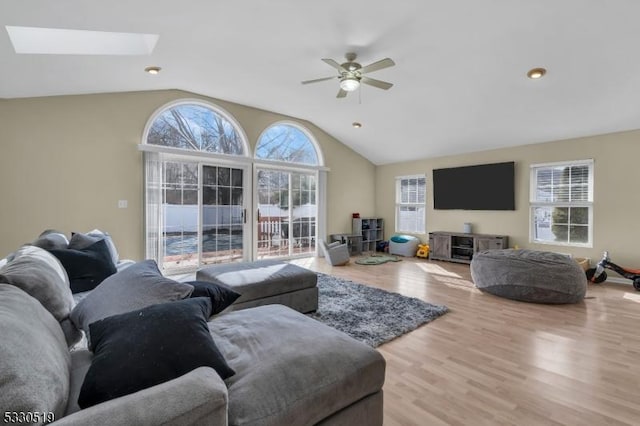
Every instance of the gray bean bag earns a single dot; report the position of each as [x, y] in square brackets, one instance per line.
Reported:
[529, 276]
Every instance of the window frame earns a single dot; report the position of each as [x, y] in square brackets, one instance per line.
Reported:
[534, 203]
[277, 162]
[246, 151]
[399, 203]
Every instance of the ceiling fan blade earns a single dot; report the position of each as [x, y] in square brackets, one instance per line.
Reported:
[376, 83]
[341, 93]
[318, 80]
[381, 64]
[334, 64]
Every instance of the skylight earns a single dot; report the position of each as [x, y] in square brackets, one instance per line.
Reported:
[55, 41]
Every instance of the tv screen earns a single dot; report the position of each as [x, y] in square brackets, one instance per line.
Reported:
[481, 187]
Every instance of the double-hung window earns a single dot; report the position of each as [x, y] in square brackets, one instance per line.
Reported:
[411, 195]
[561, 203]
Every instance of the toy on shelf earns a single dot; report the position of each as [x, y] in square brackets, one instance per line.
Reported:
[423, 251]
[597, 275]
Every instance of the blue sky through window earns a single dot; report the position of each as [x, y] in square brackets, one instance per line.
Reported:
[284, 142]
[197, 128]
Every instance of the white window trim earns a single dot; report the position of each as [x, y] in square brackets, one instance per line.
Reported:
[192, 101]
[305, 131]
[247, 161]
[399, 203]
[588, 204]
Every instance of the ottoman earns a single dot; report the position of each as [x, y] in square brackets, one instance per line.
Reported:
[403, 245]
[266, 282]
[529, 276]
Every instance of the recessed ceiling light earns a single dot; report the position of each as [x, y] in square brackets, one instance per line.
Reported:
[153, 70]
[356, 124]
[56, 41]
[536, 73]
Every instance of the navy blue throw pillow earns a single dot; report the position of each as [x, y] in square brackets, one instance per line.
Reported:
[149, 346]
[221, 297]
[86, 267]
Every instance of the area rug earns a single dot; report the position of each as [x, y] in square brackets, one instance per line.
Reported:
[377, 259]
[368, 314]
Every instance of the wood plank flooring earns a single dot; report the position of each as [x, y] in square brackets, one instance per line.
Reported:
[492, 361]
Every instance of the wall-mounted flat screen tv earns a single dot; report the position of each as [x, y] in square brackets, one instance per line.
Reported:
[481, 187]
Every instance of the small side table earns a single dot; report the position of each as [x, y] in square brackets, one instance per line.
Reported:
[353, 241]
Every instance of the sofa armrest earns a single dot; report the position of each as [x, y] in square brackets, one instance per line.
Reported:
[196, 398]
[334, 244]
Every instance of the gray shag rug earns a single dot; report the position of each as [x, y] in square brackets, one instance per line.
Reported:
[368, 314]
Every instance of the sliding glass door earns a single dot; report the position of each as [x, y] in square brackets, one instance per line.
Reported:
[203, 214]
[223, 214]
[286, 213]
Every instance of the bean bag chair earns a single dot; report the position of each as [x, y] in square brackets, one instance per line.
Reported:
[529, 276]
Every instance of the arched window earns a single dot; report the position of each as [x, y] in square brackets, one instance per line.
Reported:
[197, 186]
[289, 143]
[195, 126]
[288, 185]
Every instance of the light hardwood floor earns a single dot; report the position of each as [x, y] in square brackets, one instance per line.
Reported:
[492, 361]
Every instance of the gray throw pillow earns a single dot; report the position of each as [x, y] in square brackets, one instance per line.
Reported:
[40, 274]
[81, 241]
[136, 287]
[35, 364]
[51, 239]
[112, 247]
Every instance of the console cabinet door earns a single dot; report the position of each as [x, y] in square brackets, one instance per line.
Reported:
[482, 244]
[440, 246]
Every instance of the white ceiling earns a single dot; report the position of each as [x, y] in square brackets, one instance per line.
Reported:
[460, 83]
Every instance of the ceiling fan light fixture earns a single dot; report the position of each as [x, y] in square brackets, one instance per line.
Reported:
[349, 84]
[356, 125]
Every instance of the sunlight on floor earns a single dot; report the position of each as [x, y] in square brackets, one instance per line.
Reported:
[457, 283]
[436, 269]
[557, 354]
[632, 296]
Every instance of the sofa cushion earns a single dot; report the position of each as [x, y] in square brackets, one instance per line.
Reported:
[41, 275]
[221, 297]
[51, 239]
[34, 366]
[259, 279]
[136, 287]
[143, 348]
[291, 369]
[80, 363]
[86, 267]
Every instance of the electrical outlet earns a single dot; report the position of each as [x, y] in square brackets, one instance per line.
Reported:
[122, 204]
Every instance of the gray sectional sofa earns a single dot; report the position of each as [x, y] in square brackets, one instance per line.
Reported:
[289, 369]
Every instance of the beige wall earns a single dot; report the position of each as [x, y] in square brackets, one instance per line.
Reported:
[616, 194]
[67, 160]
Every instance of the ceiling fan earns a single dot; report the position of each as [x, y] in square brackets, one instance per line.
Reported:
[351, 74]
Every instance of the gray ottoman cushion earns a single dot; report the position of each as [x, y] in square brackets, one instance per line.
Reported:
[529, 276]
[266, 281]
[291, 369]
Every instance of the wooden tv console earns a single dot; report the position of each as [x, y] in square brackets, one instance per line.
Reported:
[460, 247]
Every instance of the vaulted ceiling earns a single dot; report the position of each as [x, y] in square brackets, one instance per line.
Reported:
[460, 80]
